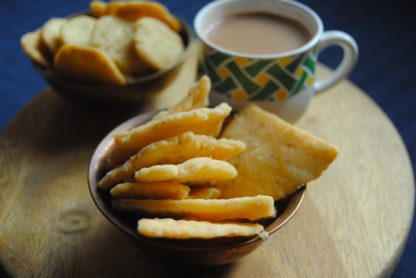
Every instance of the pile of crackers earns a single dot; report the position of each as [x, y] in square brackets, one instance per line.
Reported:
[117, 43]
[197, 178]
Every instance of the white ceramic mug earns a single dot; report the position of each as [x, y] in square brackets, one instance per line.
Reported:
[282, 83]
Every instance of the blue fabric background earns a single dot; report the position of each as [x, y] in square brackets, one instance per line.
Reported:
[384, 30]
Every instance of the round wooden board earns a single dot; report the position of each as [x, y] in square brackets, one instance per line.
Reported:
[353, 223]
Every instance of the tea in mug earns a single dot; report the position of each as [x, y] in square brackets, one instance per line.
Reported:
[258, 33]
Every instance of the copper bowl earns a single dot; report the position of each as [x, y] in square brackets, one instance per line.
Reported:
[135, 92]
[199, 251]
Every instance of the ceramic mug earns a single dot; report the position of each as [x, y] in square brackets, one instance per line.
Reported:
[282, 83]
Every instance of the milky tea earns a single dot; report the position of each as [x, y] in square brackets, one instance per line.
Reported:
[258, 33]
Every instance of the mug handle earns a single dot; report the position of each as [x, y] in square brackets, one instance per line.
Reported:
[349, 59]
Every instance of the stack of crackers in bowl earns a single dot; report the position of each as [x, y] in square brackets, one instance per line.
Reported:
[116, 44]
[194, 172]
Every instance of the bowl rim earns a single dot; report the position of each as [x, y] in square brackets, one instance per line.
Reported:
[107, 142]
[185, 29]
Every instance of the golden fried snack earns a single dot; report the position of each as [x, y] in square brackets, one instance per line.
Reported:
[186, 229]
[196, 98]
[51, 33]
[152, 190]
[197, 171]
[87, 64]
[134, 10]
[278, 159]
[33, 47]
[204, 193]
[98, 8]
[250, 208]
[115, 37]
[174, 150]
[156, 44]
[78, 30]
[206, 121]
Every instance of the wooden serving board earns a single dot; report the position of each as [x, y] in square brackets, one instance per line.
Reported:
[353, 223]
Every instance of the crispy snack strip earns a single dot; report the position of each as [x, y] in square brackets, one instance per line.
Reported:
[197, 171]
[206, 121]
[196, 98]
[204, 193]
[174, 150]
[153, 190]
[251, 208]
[185, 229]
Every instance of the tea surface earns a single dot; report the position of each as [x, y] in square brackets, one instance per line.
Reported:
[258, 33]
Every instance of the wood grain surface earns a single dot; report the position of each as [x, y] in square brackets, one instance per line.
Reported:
[353, 223]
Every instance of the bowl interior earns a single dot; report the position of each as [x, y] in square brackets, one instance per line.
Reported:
[286, 208]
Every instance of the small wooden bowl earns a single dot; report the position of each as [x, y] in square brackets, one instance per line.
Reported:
[206, 252]
[131, 94]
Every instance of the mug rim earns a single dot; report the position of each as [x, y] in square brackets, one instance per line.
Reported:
[215, 4]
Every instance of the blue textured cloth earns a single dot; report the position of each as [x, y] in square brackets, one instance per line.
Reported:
[385, 33]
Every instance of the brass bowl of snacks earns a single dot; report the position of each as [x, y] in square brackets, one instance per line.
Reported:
[118, 53]
[204, 185]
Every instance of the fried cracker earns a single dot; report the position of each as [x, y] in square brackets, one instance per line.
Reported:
[278, 159]
[204, 192]
[98, 8]
[250, 208]
[78, 30]
[134, 10]
[153, 190]
[206, 121]
[51, 33]
[196, 98]
[32, 46]
[200, 170]
[115, 36]
[156, 44]
[174, 150]
[87, 65]
[186, 229]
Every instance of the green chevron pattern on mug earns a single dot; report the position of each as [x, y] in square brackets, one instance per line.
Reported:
[242, 78]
